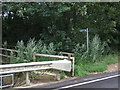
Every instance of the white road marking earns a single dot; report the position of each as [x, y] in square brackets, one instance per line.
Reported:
[83, 83]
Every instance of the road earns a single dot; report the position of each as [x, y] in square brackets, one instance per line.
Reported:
[109, 81]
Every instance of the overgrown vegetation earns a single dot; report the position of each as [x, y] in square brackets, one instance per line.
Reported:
[60, 22]
[55, 27]
[94, 60]
[26, 52]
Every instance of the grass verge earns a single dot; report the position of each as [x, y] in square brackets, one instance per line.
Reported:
[83, 68]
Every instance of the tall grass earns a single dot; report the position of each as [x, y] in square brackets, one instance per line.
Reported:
[94, 60]
[97, 49]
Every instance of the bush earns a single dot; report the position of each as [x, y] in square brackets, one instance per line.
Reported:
[95, 60]
[97, 49]
[32, 47]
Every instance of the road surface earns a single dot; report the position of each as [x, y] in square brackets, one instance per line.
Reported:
[107, 81]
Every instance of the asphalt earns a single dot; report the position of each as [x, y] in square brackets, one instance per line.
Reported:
[108, 83]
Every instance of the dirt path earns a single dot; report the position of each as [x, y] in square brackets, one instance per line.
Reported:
[113, 67]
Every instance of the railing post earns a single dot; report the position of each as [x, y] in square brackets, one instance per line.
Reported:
[11, 55]
[73, 62]
[57, 75]
[1, 82]
[69, 56]
[27, 79]
[34, 58]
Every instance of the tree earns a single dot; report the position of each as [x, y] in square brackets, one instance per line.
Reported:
[60, 22]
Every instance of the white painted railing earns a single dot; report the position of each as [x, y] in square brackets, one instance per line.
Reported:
[63, 65]
[66, 64]
[2, 85]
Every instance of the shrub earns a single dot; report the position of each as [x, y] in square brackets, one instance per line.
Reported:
[32, 47]
[20, 56]
[97, 49]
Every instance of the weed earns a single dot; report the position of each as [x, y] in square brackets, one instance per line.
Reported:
[62, 74]
[80, 71]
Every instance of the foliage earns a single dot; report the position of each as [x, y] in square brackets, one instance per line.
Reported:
[95, 60]
[83, 68]
[97, 49]
[110, 59]
[21, 50]
[55, 27]
[80, 71]
[31, 49]
[96, 67]
[26, 52]
[60, 22]
[62, 75]
[4, 44]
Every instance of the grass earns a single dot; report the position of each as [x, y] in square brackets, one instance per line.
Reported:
[62, 75]
[96, 67]
[80, 71]
[110, 59]
[83, 68]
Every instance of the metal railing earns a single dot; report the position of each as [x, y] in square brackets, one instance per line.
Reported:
[26, 67]
[2, 85]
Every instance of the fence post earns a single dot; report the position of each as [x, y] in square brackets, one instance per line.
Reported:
[11, 55]
[1, 81]
[34, 58]
[27, 79]
[57, 75]
[73, 61]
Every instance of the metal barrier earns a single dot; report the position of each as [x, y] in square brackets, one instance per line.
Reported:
[63, 65]
[68, 57]
[2, 83]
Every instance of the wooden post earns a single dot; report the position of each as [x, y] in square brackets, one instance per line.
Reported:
[34, 58]
[27, 79]
[69, 56]
[11, 55]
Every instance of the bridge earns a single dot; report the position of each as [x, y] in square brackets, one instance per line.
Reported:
[66, 63]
